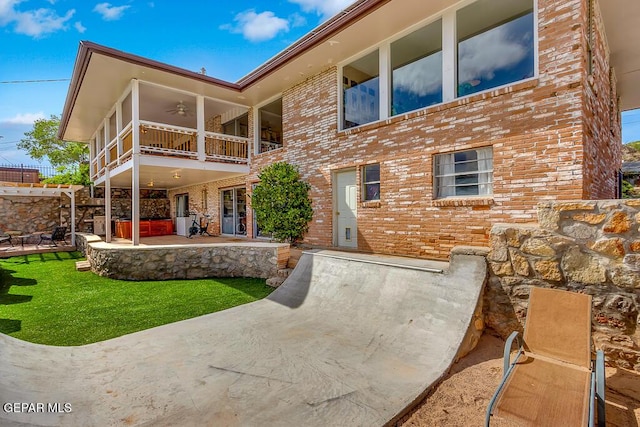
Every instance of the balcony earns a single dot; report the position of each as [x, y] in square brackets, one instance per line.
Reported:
[159, 139]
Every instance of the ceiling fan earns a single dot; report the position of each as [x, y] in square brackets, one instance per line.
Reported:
[181, 109]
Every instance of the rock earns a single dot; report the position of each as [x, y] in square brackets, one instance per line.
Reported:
[634, 246]
[519, 262]
[583, 268]
[580, 231]
[548, 218]
[538, 247]
[548, 270]
[618, 223]
[589, 218]
[274, 282]
[501, 268]
[613, 248]
[632, 261]
[498, 250]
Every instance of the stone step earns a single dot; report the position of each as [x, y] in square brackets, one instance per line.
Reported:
[274, 282]
[83, 266]
[284, 272]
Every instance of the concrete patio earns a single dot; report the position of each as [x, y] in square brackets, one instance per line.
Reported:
[344, 341]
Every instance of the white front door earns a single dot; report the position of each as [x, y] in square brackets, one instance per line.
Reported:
[346, 209]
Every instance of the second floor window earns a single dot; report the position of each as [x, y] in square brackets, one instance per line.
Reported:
[478, 47]
[361, 93]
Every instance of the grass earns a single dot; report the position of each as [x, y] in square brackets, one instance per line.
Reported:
[43, 299]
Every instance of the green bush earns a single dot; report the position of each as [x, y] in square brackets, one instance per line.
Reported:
[281, 202]
[629, 191]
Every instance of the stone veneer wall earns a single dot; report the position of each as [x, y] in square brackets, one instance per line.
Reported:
[30, 214]
[584, 246]
[262, 260]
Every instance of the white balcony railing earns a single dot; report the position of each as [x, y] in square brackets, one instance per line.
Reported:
[168, 140]
[221, 147]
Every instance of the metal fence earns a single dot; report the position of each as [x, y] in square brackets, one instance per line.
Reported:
[25, 173]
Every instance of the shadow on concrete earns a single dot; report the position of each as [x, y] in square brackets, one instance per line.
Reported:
[294, 296]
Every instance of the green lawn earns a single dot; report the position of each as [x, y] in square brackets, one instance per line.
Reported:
[43, 299]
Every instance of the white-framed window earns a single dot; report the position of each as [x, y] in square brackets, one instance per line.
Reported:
[361, 91]
[270, 126]
[416, 69]
[495, 42]
[488, 44]
[371, 182]
[464, 173]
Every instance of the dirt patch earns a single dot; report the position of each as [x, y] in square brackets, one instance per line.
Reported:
[461, 399]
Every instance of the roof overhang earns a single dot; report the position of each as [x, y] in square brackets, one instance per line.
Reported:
[101, 74]
[622, 26]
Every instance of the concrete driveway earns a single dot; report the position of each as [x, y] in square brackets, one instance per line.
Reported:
[344, 341]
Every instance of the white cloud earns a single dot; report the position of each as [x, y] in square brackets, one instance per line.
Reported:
[23, 119]
[325, 8]
[109, 12]
[81, 28]
[484, 54]
[422, 77]
[35, 22]
[257, 27]
[297, 20]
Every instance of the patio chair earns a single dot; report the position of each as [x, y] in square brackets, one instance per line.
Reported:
[58, 234]
[552, 380]
[5, 238]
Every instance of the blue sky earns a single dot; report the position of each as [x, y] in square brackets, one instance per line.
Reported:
[39, 41]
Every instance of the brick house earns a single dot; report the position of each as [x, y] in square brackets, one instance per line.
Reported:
[417, 124]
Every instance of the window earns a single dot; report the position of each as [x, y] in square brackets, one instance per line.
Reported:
[464, 173]
[371, 182]
[478, 47]
[416, 64]
[361, 91]
[182, 205]
[270, 117]
[237, 127]
[495, 44]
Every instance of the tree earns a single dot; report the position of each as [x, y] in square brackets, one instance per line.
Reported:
[66, 156]
[281, 202]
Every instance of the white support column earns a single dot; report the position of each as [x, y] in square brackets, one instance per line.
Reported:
[449, 53]
[107, 140]
[201, 127]
[120, 151]
[135, 169]
[107, 205]
[384, 80]
[72, 196]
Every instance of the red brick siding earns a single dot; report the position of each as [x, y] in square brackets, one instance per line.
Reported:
[602, 129]
[535, 128]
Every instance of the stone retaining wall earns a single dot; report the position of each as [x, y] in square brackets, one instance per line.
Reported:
[583, 246]
[251, 259]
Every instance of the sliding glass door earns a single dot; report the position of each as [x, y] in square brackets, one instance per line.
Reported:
[234, 211]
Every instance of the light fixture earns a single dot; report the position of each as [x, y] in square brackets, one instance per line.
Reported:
[150, 183]
[176, 175]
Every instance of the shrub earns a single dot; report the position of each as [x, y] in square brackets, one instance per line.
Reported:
[281, 202]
